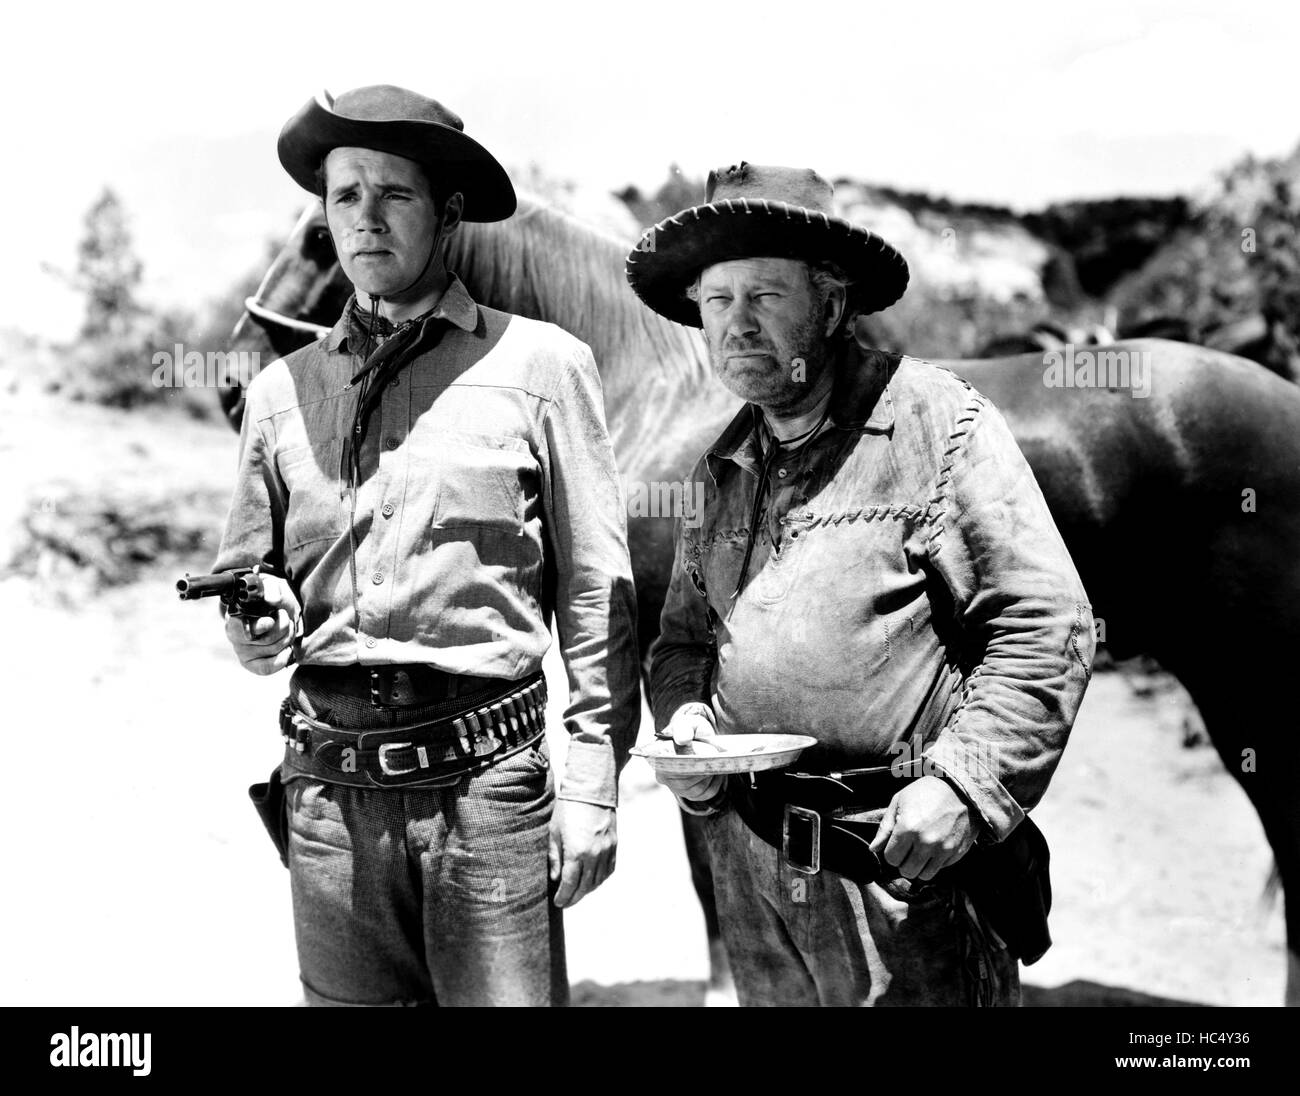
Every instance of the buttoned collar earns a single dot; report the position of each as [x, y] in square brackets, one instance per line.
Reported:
[456, 306]
[860, 401]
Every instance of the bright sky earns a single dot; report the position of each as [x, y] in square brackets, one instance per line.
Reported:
[1014, 103]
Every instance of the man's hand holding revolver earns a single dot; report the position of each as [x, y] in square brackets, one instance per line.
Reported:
[264, 644]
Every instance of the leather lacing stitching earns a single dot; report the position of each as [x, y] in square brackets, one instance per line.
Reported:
[864, 513]
[720, 536]
[1074, 639]
[646, 242]
[961, 429]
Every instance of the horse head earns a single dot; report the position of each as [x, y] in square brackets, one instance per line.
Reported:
[299, 300]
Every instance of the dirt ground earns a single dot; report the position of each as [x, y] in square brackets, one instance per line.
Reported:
[141, 874]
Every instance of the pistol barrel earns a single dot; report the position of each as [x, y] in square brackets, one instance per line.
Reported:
[218, 585]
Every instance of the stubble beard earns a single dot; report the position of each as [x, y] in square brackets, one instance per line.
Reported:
[780, 387]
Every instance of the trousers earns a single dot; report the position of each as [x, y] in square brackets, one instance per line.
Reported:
[807, 940]
[426, 896]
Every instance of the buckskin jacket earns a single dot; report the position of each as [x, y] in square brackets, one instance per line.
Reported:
[908, 596]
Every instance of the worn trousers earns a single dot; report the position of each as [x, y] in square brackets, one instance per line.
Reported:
[436, 896]
[798, 939]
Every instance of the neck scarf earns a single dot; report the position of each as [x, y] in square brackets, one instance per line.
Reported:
[385, 350]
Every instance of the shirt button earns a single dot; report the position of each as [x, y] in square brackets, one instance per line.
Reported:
[371, 641]
[377, 577]
[782, 473]
[387, 509]
[390, 443]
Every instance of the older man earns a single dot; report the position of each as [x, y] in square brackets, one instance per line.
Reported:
[434, 481]
[875, 567]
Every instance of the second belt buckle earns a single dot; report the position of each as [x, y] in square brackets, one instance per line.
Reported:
[385, 767]
[801, 839]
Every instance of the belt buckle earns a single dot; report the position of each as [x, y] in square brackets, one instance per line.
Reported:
[383, 759]
[806, 827]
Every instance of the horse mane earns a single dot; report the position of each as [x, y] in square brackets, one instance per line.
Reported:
[547, 265]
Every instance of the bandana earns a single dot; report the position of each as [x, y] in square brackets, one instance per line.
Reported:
[385, 350]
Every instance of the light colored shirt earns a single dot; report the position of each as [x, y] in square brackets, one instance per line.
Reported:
[488, 502]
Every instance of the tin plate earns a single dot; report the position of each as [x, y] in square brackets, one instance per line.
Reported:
[733, 753]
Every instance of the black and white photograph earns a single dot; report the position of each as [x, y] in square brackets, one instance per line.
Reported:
[652, 506]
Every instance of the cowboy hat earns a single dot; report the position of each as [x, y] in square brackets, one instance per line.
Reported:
[760, 212]
[392, 119]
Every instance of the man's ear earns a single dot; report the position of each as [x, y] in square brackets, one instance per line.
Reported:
[452, 212]
[833, 312]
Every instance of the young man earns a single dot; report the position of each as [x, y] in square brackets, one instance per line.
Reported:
[434, 481]
[876, 567]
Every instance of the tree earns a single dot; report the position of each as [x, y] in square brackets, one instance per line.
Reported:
[108, 271]
[1279, 276]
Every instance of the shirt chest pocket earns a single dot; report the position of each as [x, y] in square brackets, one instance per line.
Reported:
[718, 570]
[484, 481]
[311, 475]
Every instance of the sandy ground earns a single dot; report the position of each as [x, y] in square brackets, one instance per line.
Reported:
[141, 875]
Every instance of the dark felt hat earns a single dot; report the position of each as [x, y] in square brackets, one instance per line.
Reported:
[392, 119]
[755, 212]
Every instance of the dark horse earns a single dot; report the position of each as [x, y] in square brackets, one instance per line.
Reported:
[1181, 509]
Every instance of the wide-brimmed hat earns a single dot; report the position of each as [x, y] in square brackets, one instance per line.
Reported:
[755, 212]
[392, 119]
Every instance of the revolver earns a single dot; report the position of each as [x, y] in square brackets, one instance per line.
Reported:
[240, 590]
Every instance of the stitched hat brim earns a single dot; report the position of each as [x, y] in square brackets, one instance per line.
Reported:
[455, 160]
[674, 251]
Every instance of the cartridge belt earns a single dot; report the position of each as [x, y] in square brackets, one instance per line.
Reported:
[402, 685]
[434, 753]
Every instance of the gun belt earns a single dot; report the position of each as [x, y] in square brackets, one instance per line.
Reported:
[434, 753]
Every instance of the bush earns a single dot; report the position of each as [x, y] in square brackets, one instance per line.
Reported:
[116, 367]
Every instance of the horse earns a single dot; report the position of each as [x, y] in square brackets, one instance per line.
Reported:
[1180, 504]
[1045, 336]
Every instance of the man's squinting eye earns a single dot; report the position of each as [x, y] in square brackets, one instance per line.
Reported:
[392, 195]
